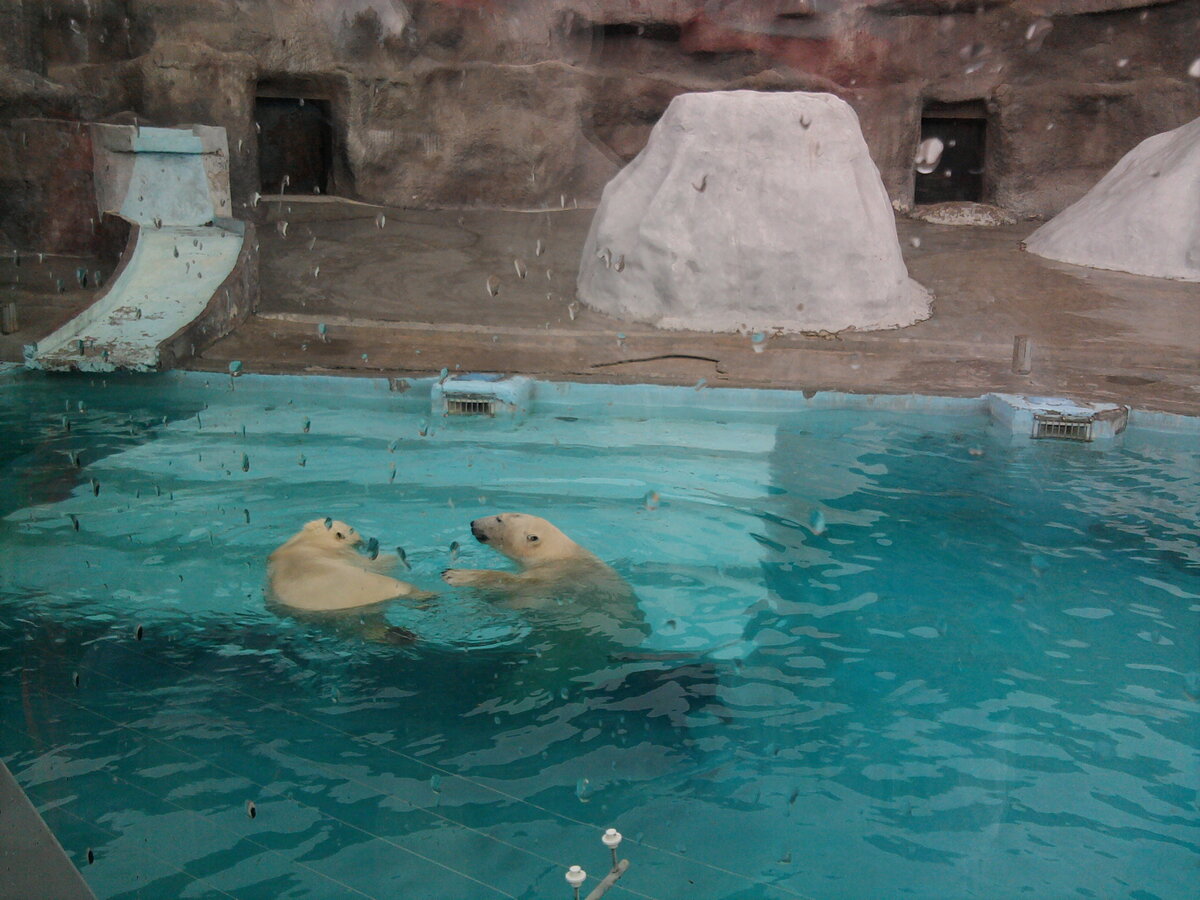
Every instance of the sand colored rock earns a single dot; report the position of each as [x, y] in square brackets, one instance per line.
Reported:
[753, 211]
[1142, 217]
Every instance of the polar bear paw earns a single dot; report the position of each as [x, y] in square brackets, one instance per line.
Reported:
[461, 577]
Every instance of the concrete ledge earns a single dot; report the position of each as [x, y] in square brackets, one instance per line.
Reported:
[230, 304]
[32, 862]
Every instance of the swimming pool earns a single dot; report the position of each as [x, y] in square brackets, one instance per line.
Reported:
[889, 650]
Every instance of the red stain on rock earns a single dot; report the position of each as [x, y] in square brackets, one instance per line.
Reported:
[855, 58]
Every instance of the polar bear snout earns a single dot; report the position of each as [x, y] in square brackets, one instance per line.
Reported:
[477, 529]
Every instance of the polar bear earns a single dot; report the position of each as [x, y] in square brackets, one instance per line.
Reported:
[553, 568]
[318, 569]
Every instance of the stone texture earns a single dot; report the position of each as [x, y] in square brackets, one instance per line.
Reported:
[964, 213]
[515, 104]
[1143, 217]
[1089, 7]
[753, 211]
[48, 203]
[1043, 176]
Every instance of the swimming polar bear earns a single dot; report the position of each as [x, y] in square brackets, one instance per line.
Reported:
[319, 570]
[554, 570]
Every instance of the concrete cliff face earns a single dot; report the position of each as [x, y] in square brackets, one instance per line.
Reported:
[525, 104]
[752, 211]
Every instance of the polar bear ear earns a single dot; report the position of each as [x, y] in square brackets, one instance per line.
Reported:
[328, 522]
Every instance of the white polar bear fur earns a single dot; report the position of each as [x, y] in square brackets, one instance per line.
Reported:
[547, 558]
[318, 569]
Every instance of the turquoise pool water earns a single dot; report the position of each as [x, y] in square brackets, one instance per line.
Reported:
[885, 653]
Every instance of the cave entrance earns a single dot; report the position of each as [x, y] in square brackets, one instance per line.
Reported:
[295, 144]
[959, 174]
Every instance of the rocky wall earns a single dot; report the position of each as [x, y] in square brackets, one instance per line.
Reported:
[519, 103]
[49, 201]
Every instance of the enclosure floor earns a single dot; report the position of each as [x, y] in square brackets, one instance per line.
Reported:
[411, 298]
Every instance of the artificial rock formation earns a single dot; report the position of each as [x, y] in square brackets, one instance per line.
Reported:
[1142, 217]
[751, 211]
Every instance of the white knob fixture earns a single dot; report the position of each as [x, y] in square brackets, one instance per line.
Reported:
[611, 839]
[576, 876]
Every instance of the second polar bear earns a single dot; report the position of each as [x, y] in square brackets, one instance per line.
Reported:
[553, 568]
[318, 569]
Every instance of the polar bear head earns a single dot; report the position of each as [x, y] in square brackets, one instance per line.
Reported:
[525, 539]
[332, 532]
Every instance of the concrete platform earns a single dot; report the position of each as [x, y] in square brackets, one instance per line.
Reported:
[32, 863]
[409, 294]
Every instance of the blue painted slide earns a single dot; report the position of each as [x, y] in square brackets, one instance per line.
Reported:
[173, 186]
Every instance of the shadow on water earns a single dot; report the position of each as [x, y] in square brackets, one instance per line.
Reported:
[54, 425]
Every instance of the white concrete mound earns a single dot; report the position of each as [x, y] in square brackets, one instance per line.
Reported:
[1142, 217]
[751, 211]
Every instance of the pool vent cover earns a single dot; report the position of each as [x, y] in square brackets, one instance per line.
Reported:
[481, 394]
[1057, 418]
[1062, 428]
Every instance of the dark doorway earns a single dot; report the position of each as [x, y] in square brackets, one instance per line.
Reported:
[962, 129]
[295, 144]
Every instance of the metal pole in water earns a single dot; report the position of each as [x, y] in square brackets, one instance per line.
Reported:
[609, 880]
[611, 839]
[575, 877]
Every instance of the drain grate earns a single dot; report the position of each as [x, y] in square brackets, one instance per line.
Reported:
[470, 406]
[1062, 428]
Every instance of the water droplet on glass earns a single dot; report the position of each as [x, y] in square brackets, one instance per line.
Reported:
[1035, 34]
[519, 265]
[251, 809]
[915, 241]
[700, 383]
[493, 286]
[138, 633]
[301, 461]
[235, 367]
[373, 548]
[435, 782]
[453, 550]
[245, 463]
[651, 500]
[572, 310]
[380, 220]
[539, 248]
[403, 558]
[929, 154]
[75, 679]
[74, 520]
[1194, 69]
[91, 857]
[281, 226]
[95, 488]
[307, 425]
[583, 790]
[816, 522]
